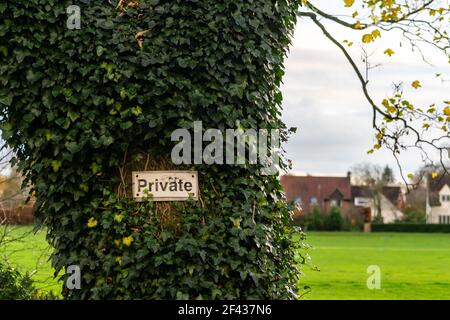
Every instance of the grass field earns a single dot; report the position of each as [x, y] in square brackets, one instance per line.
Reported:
[413, 266]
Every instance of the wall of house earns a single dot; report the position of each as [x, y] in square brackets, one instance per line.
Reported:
[443, 209]
[389, 211]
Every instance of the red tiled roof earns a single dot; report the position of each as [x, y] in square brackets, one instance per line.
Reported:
[307, 187]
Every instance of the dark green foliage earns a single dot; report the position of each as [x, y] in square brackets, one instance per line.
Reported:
[414, 215]
[15, 286]
[334, 220]
[411, 227]
[378, 219]
[319, 221]
[83, 108]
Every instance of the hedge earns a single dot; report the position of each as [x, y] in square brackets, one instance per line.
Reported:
[410, 227]
[84, 108]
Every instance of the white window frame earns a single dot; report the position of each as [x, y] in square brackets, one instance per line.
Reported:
[444, 219]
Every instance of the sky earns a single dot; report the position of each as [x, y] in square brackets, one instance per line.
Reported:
[324, 100]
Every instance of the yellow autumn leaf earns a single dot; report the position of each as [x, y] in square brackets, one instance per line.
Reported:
[447, 111]
[377, 147]
[127, 241]
[367, 38]
[375, 19]
[410, 176]
[392, 109]
[434, 175]
[358, 25]
[370, 151]
[376, 33]
[92, 223]
[349, 3]
[416, 84]
[389, 52]
[118, 218]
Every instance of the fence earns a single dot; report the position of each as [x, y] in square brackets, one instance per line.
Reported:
[17, 216]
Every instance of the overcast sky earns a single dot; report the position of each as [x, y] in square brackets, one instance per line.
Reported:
[323, 99]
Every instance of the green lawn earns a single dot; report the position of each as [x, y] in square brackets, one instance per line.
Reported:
[29, 252]
[413, 266]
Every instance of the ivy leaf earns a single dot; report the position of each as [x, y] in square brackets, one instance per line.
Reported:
[56, 165]
[6, 100]
[73, 115]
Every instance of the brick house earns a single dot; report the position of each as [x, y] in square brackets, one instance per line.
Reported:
[324, 192]
[356, 202]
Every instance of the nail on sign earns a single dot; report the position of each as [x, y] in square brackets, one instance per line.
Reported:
[165, 185]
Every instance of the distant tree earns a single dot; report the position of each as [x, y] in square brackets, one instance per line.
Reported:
[388, 175]
[375, 178]
[414, 214]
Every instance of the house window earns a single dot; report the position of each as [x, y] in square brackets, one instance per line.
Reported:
[313, 201]
[298, 200]
[444, 219]
[335, 203]
[445, 198]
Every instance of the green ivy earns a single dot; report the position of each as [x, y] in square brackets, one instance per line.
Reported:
[83, 108]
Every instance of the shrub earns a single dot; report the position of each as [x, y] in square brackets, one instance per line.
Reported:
[414, 215]
[378, 219]
[334, 220]
[84, 108]
[317, 219]
[15, 286]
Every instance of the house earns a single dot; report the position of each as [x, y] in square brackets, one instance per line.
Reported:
[324, 192]
[438, 200]
[391, 202]
[355, 202]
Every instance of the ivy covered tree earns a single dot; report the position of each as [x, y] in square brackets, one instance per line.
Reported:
[84, 107]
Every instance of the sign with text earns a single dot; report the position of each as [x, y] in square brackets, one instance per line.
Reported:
[165, 185]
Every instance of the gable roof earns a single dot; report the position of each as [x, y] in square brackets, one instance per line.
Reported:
[391, 193]
[434, 186]
[321, 188]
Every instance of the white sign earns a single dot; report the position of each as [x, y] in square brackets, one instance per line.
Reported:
[363, 202]
[165, 185]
